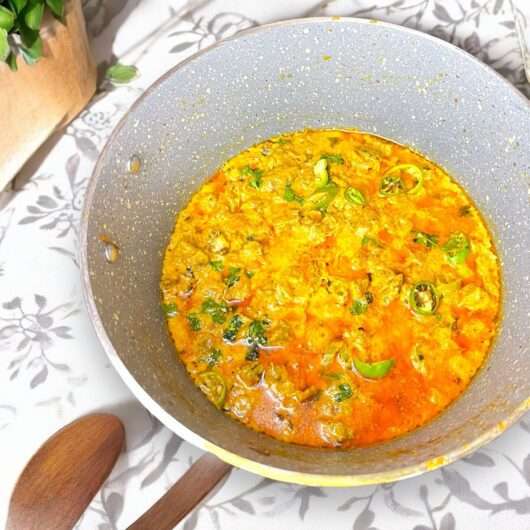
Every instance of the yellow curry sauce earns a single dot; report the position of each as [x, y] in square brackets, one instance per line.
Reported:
[331, 288]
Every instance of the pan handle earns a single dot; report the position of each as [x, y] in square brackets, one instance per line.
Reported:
[183, 496]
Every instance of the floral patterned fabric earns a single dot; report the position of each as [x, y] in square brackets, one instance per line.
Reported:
[52, 368]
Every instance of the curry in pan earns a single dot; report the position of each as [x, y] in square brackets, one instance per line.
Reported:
[331, 288]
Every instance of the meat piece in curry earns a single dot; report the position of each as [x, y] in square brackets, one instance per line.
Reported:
[331, 288]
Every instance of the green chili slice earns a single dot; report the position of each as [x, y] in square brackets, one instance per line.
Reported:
[323, 197]
[375, 370]
[320, 170]
[290, 196]
[216, 265]
[355, 196]
[457, 248]
[214, 386]
[391, 186]
[392, 182]
[335, 159]
[423, 298]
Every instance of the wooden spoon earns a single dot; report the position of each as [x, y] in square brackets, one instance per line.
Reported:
[63, 476]
[183, 496]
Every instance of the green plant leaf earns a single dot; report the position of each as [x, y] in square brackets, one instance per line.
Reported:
[33, 14]
[121, 73]
[12, 62]
[18, 5]
[5, 50]
[33, 53]
[28, 36]
[56, 7]
[7, 18]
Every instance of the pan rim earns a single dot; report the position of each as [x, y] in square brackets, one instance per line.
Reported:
[275, 473]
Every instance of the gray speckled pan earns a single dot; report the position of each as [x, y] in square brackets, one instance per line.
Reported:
[385, 79]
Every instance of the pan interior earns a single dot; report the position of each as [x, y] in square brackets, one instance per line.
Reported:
[378, 78]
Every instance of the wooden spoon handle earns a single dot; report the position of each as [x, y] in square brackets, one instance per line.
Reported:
[183, 496]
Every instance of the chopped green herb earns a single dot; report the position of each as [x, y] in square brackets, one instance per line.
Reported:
[464, 211]
[355, 196]
[333, 159]
[194, 321]
[233, 276]
[217, 311]
[252, 354]
[230, 333]
[425, 239]
[281, 141]
[320, 170]
[367, 240]
[457, 248]
[212, 358]
[217, 265]
[255, 176]
[249, 274]
[256, 332]
[423, 298]
[290, 196]
[343, 392]
[375, 370]
[170, 310]
[359, 307]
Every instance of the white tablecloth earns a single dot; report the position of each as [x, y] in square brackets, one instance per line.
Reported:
[52, 368]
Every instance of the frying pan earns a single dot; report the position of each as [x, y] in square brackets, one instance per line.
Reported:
[322, 72]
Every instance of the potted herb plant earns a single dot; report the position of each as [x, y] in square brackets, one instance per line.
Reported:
[47, 74]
